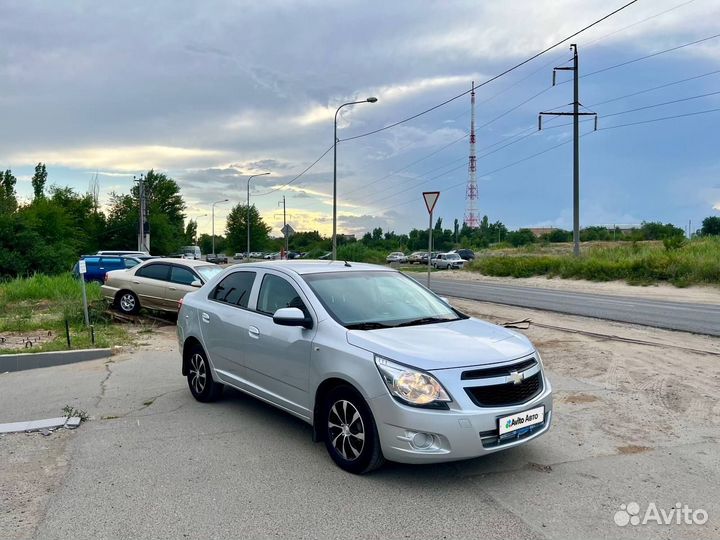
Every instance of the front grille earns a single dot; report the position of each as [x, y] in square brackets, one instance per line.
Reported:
[500, 395]
[499, 371]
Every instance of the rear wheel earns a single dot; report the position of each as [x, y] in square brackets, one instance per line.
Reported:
[127, 302]
[200, 380]
[351, 436]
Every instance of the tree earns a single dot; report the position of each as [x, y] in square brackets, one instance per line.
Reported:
[236, 229]
[38, 181]
[8, 199]
[521, 237]
[191, 233]
[710, 226]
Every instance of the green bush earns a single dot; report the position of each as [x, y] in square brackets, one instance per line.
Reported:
[676, 261]
[357, 252]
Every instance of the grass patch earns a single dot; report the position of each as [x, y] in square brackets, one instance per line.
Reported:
[43, 303]
[638, 263]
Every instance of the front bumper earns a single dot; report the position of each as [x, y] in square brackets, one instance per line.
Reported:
[456, 434]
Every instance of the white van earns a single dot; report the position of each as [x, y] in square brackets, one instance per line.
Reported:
[191, 252]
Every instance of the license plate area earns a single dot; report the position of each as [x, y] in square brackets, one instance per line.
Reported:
[521, 420]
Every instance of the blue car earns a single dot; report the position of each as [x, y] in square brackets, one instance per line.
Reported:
[99, 265]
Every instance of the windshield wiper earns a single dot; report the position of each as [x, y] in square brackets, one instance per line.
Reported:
[426, 320]
[367, 326]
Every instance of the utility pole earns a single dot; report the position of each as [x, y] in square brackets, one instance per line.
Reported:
[285, 227]
[576, 114]
[143, 230]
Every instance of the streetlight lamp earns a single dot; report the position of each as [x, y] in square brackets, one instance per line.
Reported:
[247, 254]
[213, 223]
[335, 141]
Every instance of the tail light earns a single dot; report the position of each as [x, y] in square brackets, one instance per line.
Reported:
[180, 303]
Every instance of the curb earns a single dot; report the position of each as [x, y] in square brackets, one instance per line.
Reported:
[23, 361]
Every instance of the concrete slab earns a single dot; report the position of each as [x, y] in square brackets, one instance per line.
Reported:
[33, 425]
[23, 361]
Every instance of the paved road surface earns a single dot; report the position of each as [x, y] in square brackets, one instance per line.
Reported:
[698, 318]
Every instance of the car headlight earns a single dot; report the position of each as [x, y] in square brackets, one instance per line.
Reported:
[410, 386]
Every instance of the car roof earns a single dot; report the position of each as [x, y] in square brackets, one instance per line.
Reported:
[182, 262]
[315, 266]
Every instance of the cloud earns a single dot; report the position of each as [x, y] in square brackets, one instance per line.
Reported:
[119, 158]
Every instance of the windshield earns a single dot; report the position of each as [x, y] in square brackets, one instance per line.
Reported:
[208, 272]
[377, 299]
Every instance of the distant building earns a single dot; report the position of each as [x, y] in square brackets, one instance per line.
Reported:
[539, 231]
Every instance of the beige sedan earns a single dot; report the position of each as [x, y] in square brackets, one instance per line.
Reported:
[156, 284]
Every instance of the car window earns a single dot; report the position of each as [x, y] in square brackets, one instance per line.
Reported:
[234, 289]
[182, 276]
[154, 271]
[131, 263]
[91, 260]
[111, 261]
[277, 293]
[208, 271]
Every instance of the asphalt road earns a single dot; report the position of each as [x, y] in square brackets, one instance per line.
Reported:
[688, 317]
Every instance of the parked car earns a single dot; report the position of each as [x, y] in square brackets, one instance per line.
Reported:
[238, 256]
[416, 257]
[465, 254]
[156, 284]
[375, 362]
[424, 258]
[97, 266]
[396, 257]
[326, 256]
[216, 259]
[120, 253]
[445, 261]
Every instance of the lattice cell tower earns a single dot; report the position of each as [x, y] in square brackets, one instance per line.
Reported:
[471, 192]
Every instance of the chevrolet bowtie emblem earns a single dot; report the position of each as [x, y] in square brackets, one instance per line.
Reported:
[516, 377]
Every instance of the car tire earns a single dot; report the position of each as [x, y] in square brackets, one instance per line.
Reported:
[200, 380]
[349, 430]
[127, 302]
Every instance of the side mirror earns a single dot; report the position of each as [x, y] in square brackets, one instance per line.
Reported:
[292, 316]
[196, 283]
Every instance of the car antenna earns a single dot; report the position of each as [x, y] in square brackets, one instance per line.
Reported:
[348, 264]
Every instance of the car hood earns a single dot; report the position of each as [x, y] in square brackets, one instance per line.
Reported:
[467, 342]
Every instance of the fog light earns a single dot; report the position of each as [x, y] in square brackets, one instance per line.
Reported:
[422, 441]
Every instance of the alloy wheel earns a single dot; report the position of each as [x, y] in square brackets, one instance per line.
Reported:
[198, 373]
[346, 429]
[127, 302]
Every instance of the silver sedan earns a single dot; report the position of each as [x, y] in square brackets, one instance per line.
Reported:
[376, 363]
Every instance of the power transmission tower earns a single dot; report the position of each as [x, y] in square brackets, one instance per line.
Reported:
[471, 191]
[576, 114]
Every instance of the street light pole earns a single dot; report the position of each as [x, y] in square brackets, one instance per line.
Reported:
[213, 223]
[247, 253]
[335, 141]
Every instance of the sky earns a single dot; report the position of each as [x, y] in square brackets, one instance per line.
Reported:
[212, 92]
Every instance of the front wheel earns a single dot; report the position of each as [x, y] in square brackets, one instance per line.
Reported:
[351, 437]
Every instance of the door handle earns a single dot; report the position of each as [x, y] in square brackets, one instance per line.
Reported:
[172, 289]
[136, 282]
[205, 318]
[253, 332]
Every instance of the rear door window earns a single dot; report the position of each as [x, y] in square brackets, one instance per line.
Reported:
[183, 276]
[154, 271]
[234, 289]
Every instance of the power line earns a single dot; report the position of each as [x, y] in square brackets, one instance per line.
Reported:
[661, 104]
[664, 118]
[696, 113]
[494, 78]
[298, 176]
[656, 87]
[658, 53]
